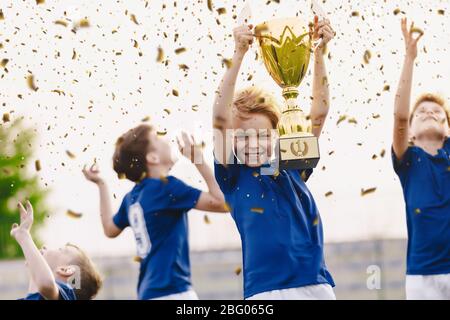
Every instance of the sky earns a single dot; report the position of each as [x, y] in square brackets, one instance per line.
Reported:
[96, 83]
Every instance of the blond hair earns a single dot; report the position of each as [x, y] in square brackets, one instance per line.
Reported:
[253, 100]
[91, 281]
[430, 97]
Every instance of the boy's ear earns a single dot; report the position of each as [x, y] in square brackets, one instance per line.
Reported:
[152, 158]
[66, 271]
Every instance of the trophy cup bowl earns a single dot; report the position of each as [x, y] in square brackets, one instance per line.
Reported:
[285, 48]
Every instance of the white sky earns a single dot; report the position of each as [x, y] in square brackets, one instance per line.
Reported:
[92, 119]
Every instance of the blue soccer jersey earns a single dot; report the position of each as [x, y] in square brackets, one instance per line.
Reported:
[65, 293]
[156, 210]
[280, 228]
[425, 180]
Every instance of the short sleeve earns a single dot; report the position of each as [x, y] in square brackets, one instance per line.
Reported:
[65, 292]
[181, 196]
[226, 176]
[401, 167]
[121, 217]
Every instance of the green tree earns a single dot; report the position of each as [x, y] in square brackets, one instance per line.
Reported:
[18, 181]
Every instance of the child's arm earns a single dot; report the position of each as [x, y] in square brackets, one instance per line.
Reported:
[109, 227]
[41, 275]
[321, 99]
[402, 98]
[243, 37]
[213, 199]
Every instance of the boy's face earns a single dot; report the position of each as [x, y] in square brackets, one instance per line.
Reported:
[252, 139]
[429, 117]
[162, 151]
[59, 257]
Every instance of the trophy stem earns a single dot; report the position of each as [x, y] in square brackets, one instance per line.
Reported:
[290, 93]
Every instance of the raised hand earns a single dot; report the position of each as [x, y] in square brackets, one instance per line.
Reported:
[410, 40]
[26, 221]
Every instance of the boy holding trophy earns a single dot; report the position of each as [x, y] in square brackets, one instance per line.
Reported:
[276, 216]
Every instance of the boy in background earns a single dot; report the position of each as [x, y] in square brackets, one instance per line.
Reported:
[156, 209]
[51, 271]
[421, 159]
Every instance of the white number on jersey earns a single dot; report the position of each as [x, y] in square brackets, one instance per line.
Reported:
[137, 222]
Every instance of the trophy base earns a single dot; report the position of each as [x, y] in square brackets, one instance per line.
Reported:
[298, 151]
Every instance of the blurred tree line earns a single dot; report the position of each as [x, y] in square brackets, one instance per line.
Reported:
[19, 181]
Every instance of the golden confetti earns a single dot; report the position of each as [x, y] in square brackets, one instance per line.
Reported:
[383, 153]
[316, 221]
[352, 120]
[227, 62]
[209, 5]
[180, 50]
[40, 1]
[355, 14]
[37, 165]
[341, 118]
[329, 193]
[4, 62]
[175, 92]
[227, 207]
[74, 54]
[221, 11]
[257, 210]
[206, 219]
[367, 191]
[183, 67]
[6, 117]
[238, 270]
[137, 259]
[59, 92]
[441, 12]
[396, 11]
[30, 82]
[70, 154]
[74, 214]
[160, 57]
[386, 87]
[161, 133]
[61, 23]
[147, 118]
[121, 176]
[255, 174]
[367, 56]
[2, 16]
[133, 18]
[417, 30]
[417, 211]
[194, 108]
[167, 111]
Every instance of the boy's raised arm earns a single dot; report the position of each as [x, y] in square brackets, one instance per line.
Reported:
[213, 199]
[106, 213]
[222, 108]
[321, 100]
[403, 96]
[41, 275]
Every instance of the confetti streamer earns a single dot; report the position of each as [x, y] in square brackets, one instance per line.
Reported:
[73, 214]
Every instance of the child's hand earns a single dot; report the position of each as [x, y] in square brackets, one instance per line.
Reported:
[191, 150]
[322, 30]
[410, 41]
[26, 221]
[93, 174]
[243, 38]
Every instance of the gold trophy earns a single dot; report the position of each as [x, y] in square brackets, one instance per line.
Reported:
[285, 48]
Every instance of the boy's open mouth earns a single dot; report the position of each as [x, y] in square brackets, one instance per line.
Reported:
[430, 118]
